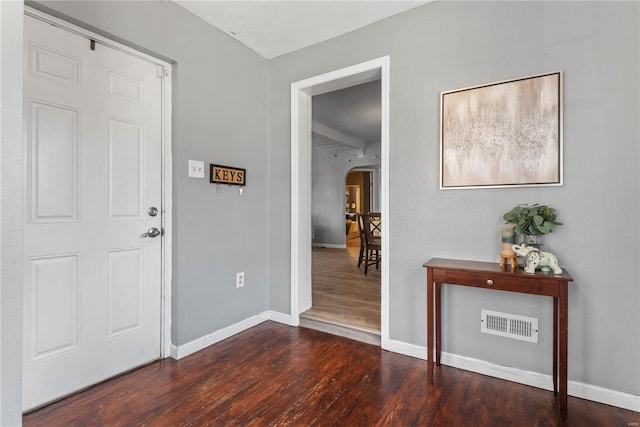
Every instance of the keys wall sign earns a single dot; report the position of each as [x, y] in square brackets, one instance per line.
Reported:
[227, 175]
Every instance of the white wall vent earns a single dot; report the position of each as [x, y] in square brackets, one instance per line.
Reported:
[509, 325]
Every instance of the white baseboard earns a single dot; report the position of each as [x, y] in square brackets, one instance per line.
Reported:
[328, 245]
[178, 352]
[543, 381]
[604, 395]
[276, 316]
[407, 349]
[508, 373]
[534, 379]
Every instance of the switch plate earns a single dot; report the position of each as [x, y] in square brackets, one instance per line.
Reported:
[240, 279]
[196, 169]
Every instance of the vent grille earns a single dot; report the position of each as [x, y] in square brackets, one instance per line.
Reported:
[509, 325]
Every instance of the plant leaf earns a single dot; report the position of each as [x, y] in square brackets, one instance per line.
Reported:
[532, 219]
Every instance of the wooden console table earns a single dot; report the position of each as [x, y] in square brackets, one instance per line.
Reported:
[489, 275]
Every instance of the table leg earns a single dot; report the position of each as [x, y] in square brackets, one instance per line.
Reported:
[555, 346]
[562, 342]
[438, 325]
[430, 325]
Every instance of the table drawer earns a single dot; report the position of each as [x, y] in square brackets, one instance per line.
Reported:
[489, 281]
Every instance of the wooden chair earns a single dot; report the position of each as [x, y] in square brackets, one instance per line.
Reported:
[372, 227]
[362, 238]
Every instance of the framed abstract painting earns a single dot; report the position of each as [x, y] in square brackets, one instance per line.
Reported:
[502, 134]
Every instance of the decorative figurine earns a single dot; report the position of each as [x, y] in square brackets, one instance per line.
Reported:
[508, 239]
[535, 258]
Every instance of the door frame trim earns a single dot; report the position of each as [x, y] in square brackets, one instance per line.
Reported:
[301, 94]
[167, 163]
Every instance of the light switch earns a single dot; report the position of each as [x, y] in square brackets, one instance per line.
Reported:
[196, 169]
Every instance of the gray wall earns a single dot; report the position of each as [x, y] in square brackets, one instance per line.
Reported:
[449, 45]
[329, 175]
[219, 116]
[11, 213]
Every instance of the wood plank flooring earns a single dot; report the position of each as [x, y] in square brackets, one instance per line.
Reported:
[276, 375]
[341, 292]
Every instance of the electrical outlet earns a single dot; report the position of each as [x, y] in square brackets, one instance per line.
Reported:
[240, 279]
[196, 169]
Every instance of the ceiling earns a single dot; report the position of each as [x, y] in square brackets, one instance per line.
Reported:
[354, 111]
[342, 119]
[273, 28]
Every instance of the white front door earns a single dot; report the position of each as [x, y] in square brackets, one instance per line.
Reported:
[92, 282]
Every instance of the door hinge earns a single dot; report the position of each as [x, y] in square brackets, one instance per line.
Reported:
[162, 72]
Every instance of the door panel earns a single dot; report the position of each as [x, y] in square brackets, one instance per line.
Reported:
[54, 292]
[125, 169]
[53, 154]
[125, 87]
[57, 66]
[92, 292]
[124, 286]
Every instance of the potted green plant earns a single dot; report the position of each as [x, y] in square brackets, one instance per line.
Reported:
[532, 221]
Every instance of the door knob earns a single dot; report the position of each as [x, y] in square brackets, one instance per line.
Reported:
[153, 211]
[152, 232]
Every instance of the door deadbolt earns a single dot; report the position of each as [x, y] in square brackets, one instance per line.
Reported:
[153, 211]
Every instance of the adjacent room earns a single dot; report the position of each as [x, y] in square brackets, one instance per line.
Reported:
[183, 189]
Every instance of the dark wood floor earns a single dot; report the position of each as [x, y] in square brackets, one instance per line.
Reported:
[276, 375]
[341, 292]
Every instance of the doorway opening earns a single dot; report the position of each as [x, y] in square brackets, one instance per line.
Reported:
[367, 182]
[303, 232]
[345, 294]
